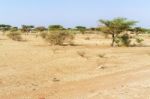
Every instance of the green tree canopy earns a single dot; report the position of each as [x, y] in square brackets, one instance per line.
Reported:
[116, 26]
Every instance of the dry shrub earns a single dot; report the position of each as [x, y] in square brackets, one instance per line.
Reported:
[58, 37]
[43, 34]
[101, 55]
[81, 53]
[16, 36]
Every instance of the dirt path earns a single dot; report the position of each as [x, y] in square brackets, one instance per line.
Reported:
[133, 84]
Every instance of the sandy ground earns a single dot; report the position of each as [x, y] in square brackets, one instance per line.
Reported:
[34, 70]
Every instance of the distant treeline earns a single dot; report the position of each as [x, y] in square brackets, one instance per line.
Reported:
[82, 29]
[122, 31]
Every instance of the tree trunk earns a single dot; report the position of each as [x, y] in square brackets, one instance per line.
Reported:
[113, 40]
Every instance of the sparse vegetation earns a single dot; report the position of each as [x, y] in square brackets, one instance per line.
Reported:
[82, 29]
[40, 29]
[139, 40]
[120, 29]
[4, 28]
[55, 80]
[16, 36]
[116, 27]
[59, 37]
[123, 40]
[101, 55]
[27, 28]
[81, 53]
[88, 58]
[66, 49]
[43, 34]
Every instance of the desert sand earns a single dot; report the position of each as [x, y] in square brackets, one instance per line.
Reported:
[34, 70]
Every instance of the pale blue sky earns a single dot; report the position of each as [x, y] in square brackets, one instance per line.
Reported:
[72, 12]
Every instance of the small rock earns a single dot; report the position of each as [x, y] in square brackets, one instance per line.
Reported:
[101, 67]
[55, 80]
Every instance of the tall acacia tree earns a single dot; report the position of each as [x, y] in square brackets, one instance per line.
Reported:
[116, 27]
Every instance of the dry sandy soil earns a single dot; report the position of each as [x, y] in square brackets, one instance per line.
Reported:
[34, 70]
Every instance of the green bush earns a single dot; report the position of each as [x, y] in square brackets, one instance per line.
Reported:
[59, 37]
[139, 40]
[16, 36]
[126, 40]
[123, 40]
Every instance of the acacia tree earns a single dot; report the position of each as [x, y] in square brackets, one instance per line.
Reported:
[116, 27]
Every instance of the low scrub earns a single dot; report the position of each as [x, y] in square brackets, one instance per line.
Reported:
[123, 40]
[43, 34]
[16, 36]
[128, 40]
[139, 40]
[59, 37]
[101, 55]
[81, 53]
